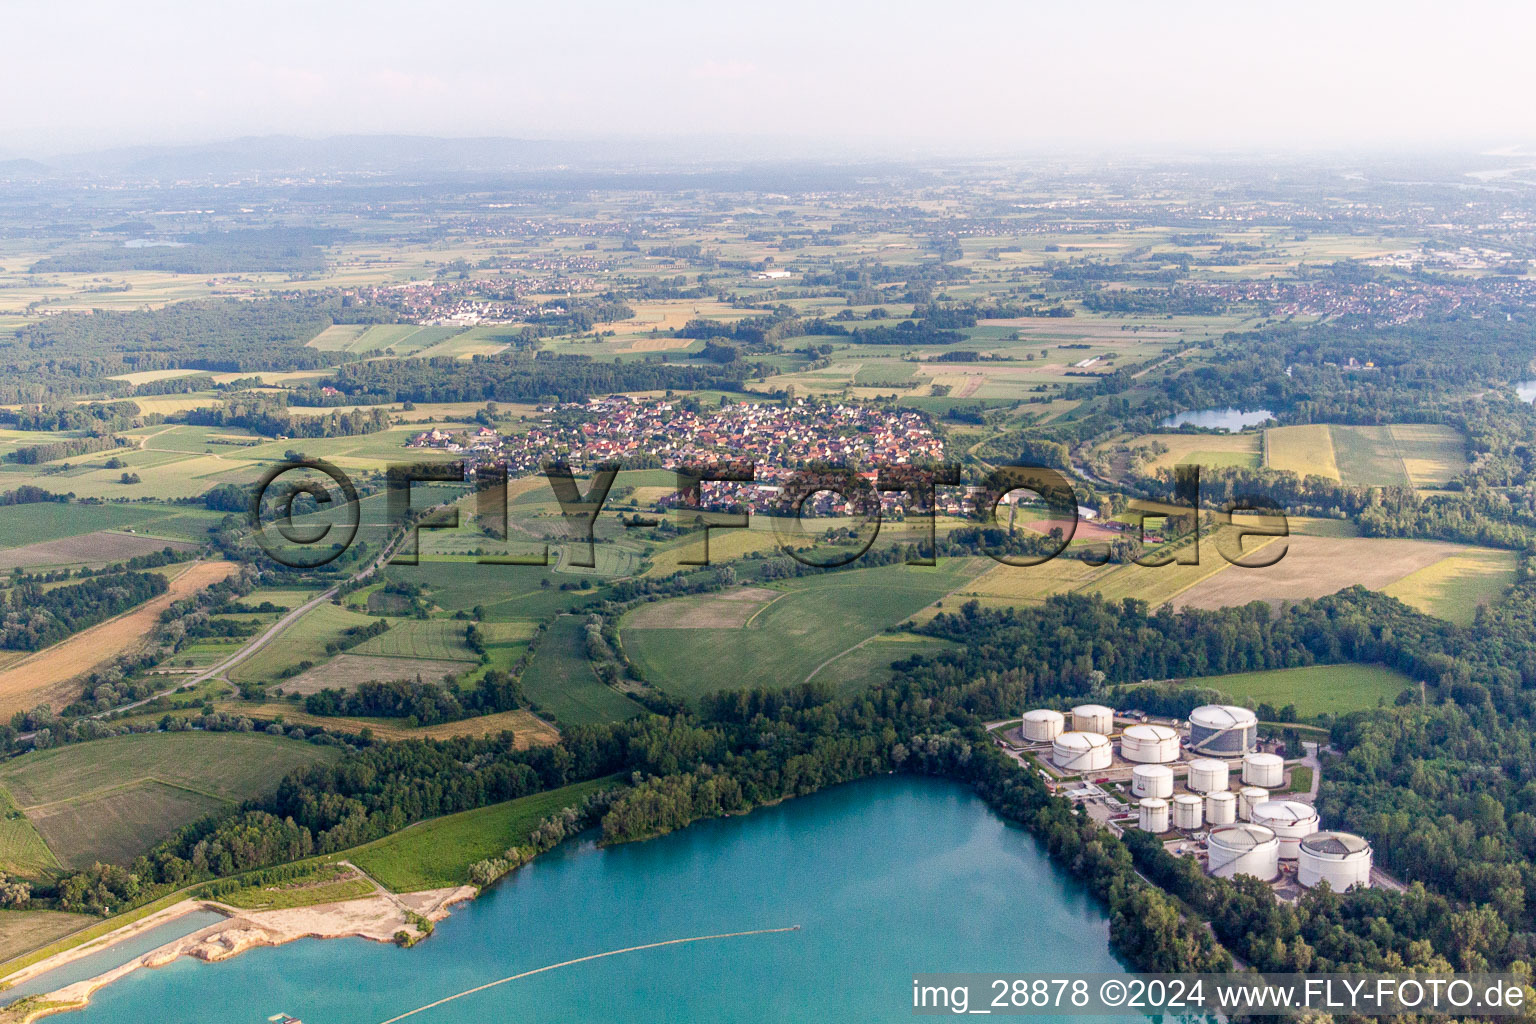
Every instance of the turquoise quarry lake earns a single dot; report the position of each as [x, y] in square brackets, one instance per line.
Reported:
[887, 878]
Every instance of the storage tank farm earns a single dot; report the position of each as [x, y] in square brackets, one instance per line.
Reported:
[1291, 821]
[1341, 859]
[1266, 770]
[1042, 725]
[1244, 849]
[1207, 775]
[1082, 752]
[1153, 815]
[1149, 744]
[1154, 780]
[1220, 808]
[1093, 718]
[1222, 730]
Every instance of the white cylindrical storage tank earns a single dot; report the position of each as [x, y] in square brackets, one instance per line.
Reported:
[1093, 718]
[1338, 858]
[1149, 744]
[1220, 808]
[1223, 730]
[1243, 850]
[1081, 752]
[1155, 780]
[1187, 811]
[1154, 815]
[1290, 821]
[1248, 798]
[1207, 776]
[1042, 725]
[1267, 770]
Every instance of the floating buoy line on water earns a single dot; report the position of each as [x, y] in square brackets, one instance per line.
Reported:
[584, 959]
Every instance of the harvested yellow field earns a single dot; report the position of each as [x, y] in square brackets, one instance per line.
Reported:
[528, 728]
[1432, 453]
[1316, 566]
[180, 403]
[658, 344]
[724, 545]
[1455, 587]
[1304, 450]
[1007, 585]
[1004, 585]
[47, 677]
[1206, 450]
[149, 376]
[669, 316]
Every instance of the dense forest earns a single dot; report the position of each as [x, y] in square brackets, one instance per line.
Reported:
[276, 249]
[519, 377]
[75, 353]
[34, 617]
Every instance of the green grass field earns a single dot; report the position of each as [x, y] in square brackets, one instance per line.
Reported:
[561, 682]
[789, 639]
[1315, 690]
[1368, 456]
[303, 640]
[113, 799]
[34, 524]
[327, 883]
[22, 850]
[438, 853]
[434, 639]
[870, 664]
[507, 592]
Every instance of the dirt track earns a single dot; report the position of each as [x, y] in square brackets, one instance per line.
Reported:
[47, 676]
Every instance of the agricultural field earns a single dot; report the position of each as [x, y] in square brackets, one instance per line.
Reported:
[1316, 566]
[789, 639]
[303, 640]
[1431, 453]
[1007, 585]
[23, 525]
[420, 640]
[1304, 450]
[47, 676]
[438, 853]
[506, 592]
[22, 931]
[346, 671]
[1399, 455]
[98, 548]
[22, 851]
[1215, 451]
[1315, 690]
[114, 827]
[1455, 587]
[561, 683]
[528, 729]
[870, 663]
[113, 799]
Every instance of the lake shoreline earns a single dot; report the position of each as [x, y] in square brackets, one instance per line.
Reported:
[377, 918]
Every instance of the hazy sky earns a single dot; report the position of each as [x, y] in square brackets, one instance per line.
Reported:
[962, 76]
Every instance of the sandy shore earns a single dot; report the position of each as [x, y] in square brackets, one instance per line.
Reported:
[378, 917]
